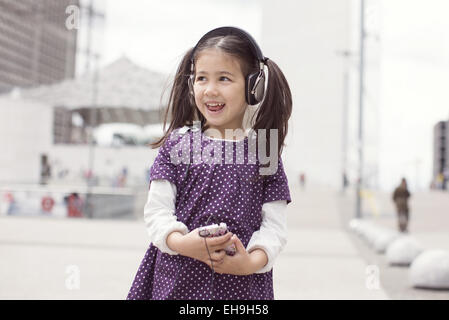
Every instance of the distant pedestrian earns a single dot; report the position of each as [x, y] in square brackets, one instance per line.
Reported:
[74, 205]
[440, 181]
[400, 197]
[445, 178]
[122, 177]
[10, 206]
[345, 180]
[302, 180]
[45, 173]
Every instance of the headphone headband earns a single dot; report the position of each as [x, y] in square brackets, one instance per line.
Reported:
[227, 31]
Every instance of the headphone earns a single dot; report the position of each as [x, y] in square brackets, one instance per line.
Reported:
[255, 82]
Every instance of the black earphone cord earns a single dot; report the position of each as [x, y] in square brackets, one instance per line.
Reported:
[205, 241]
[211, 263]
[213, 271]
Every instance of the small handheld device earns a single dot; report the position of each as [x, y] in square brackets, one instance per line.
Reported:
[216, 230]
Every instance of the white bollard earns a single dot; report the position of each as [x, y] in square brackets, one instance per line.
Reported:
[403, 251]
[430, 270]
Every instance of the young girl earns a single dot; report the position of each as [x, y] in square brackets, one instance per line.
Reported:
[213, 86]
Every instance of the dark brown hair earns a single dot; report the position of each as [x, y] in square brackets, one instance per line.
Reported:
[273, 112]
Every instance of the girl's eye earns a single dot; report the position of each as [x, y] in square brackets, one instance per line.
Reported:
[201, 78]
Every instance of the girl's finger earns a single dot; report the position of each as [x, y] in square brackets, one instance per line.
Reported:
[213, 265]
[238, 244]
[223, 246]
[217, 256]
[216, 241]
[217, 262]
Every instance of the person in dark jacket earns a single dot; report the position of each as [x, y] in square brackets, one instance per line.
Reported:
[400, 198]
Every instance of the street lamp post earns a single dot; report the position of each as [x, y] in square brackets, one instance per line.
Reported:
[360, 135]
[346, 55]
[91, 156]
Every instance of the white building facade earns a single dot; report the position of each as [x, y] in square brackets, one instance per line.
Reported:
[306, 39]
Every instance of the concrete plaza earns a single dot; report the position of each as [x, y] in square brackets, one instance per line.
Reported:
[57, 258]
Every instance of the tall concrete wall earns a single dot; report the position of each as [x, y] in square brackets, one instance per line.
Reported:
[303, 38]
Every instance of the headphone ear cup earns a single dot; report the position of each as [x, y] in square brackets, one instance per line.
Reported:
[249, 85]
[190, 83]
[259, 90]
[191, 92]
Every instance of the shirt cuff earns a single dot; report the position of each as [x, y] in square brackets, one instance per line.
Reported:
[161, 241]
[272, 235]
[269, 254]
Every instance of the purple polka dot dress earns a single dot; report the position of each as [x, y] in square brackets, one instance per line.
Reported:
[232, 192]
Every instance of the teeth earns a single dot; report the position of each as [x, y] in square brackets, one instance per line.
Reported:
[214, 104]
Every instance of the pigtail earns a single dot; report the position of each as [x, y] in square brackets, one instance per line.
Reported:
[276, 108]
[179, 111]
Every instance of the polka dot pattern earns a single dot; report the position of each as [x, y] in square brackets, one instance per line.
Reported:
[232, 193]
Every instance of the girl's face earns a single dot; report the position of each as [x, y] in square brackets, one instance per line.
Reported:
[220, 90]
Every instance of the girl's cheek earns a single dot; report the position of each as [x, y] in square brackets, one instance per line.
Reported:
[197, 96]
[199, 92]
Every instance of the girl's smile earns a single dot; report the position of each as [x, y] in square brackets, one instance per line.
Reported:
[220, 90]
[214, 107]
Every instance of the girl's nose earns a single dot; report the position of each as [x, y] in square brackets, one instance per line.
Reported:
[211, 90]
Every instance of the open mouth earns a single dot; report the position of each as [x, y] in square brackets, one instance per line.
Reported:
[215, 107]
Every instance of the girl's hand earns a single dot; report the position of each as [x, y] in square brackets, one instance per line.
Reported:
[193, 246]
[242, 263]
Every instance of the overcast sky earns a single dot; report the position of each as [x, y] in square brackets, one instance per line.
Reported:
[414, 77]
[156, 33]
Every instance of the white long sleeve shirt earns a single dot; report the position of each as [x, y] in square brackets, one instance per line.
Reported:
[160, 221]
